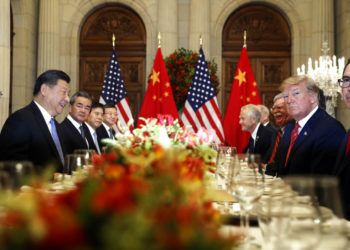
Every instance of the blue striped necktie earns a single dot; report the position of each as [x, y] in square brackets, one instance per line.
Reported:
[56, 139]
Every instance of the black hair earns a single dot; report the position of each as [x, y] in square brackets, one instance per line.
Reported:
[97, 105]
[346, 65]
[50, 78]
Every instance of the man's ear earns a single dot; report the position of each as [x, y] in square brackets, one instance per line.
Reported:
[44, 89]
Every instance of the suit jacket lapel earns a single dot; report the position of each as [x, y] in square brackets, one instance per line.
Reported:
[306, 131]
[44, 129]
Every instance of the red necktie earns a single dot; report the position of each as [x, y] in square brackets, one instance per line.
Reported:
[293, 138]
[347, 145]
[274, 150]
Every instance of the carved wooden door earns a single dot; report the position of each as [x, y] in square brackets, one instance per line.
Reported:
[268, 46]
[96, 49]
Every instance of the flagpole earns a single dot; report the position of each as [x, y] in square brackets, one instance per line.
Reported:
[200, 41]
[113, 41]
[245, 39]
[159, 39]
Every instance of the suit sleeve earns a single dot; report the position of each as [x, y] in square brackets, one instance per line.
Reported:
[15, 139]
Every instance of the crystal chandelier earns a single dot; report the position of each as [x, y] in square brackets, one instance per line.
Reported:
[325, 73]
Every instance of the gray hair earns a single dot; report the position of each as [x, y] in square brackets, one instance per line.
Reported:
[278, 96]
[253, 111]
[80, 93]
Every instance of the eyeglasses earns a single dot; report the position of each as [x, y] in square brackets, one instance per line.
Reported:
[344, 82]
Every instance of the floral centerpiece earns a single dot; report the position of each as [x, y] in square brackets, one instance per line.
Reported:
[137, 195]
[181, 68]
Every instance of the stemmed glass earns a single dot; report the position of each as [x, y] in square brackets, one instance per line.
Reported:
[304, 232]
[88, 153]
[73, 168]
[247, 187]
[333, 225]
[225, 158]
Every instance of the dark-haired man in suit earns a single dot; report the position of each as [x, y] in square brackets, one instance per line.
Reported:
[73, 126]
[110, 118]
[261, 137]
[310, 143]
[31, 132]
[93, 122]
[342, 167]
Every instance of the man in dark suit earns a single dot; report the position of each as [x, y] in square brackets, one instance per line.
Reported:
[310, 143]
[31, 132]
[73, 126]
[342, 166]
[93, 122]
[281, 118]
[107, 129]
[265, 117]
[261, 136]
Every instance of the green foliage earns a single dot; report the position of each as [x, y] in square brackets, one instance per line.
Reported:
[181, 68]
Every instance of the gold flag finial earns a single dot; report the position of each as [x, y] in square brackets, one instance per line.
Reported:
[113, 40]
[159, 39]
[200, 40]
[245, 39]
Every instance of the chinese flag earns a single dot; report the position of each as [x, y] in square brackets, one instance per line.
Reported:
[243, 91]
[159, 98]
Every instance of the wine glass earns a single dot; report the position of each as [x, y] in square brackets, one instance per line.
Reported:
[224, 161]
[88, 153]
[333, 224]
[73, 169]
[273, 211]
[304, 232]
[247, 187]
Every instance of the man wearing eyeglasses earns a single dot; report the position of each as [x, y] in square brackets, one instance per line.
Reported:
[310, 143]
[73, 128]
[342, 167]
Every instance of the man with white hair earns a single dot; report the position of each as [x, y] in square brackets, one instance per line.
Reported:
[265, 117]
[261, 137]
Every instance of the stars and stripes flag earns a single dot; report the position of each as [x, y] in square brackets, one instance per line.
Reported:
[201, 108]
[113, 91]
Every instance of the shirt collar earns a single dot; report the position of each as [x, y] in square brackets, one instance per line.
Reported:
[46, 115]
[91, 129]
[303, 121]
[74, 122]
[105, 126]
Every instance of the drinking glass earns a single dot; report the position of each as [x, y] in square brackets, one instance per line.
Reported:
[73, 169]
[304, 232]
[19, 173]
[247, 187]
[224, 163]
[224, 159]
[88, 153]
[333, 224]
[273, 211]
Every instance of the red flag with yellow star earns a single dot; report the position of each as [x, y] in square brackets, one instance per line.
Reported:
[243, 91]
[159, 98]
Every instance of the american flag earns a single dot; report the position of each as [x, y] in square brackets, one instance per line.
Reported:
[201, 107]
[113, 91]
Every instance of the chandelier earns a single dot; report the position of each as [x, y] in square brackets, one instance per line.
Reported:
[325, 72]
